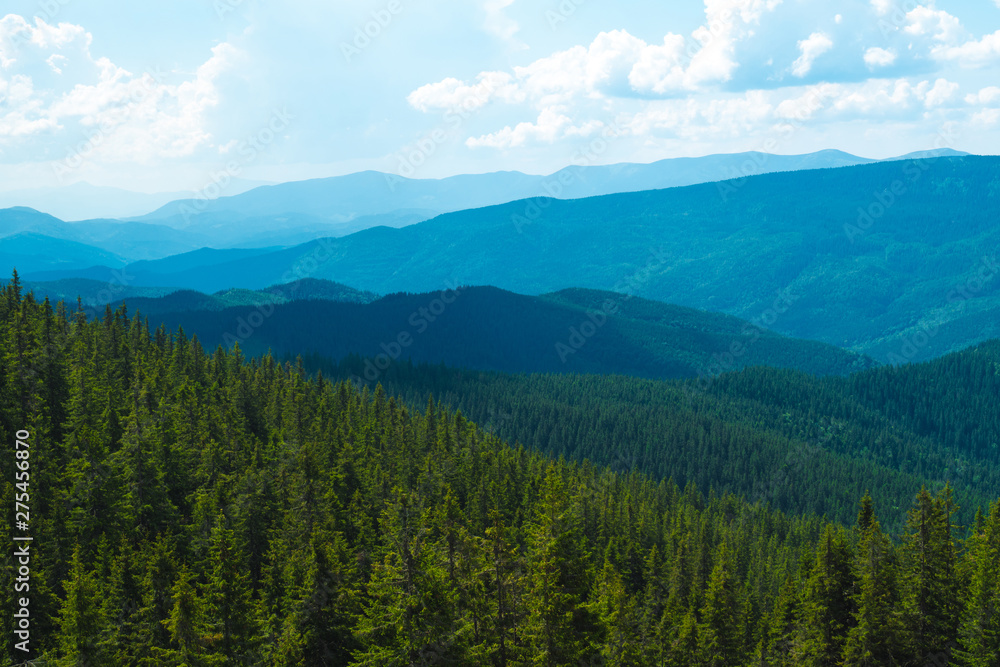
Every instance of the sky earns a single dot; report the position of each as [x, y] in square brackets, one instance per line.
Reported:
[201, 95]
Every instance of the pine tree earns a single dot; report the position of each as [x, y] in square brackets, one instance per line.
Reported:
[875, 639]
[719, 641]
[979, 635]
[79, 619]
[619, 618]
[558, 624]
[410, 616]
[827, 607]
[229, 599]
[929, 585]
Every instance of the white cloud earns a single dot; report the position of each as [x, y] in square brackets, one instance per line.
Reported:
[987, 117]
[660, 68]
[810, 48]
[55, 60]
[672, 90]
[879, 57]
[454, 95]
[972, 53]
[986, 96]
[938, 23]
[726, 23]
[878, 97]
[941, 93]
[696, 120]
[805, 106]
[133, 117]
[549, 128]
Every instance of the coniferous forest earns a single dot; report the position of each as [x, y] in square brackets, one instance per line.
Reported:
[196, 507]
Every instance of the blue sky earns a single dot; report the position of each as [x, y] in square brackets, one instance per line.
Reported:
[173, 96]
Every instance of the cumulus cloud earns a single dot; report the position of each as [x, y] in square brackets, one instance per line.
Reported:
[879, 57]
[677, 88]
[942, 92]
[973, 53]
[453, 95]
[810, 49]
[549, 128]
[987, 96]
[57, 85]
[616, 63]
[726, 23]
[937, 23]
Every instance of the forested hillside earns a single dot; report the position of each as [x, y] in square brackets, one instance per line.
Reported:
[803, 444]
[581, 331]
[198, 508]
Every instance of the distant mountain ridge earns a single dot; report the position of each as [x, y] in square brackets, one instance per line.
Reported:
[292, 213]
[83, 201]
[342, 199]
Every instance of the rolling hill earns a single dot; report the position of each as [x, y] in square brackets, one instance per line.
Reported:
[158, 300]
[579, 331]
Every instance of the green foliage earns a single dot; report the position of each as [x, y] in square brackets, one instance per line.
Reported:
[202, 509]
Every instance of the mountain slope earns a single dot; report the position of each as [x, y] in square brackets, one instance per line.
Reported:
[28, 252]
[487, 328]
[801, 443]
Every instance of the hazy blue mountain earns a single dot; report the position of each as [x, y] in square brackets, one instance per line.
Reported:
[83, 201]
[491, 329]
[859, 273]
[145, 241]
[352, 198]
[131, 240]
[28, 252]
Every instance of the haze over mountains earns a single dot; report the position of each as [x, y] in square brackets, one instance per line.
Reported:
[249, 213]
[83, 201]
[894, 259]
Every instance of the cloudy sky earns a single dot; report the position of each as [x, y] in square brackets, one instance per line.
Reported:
[168, 96]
